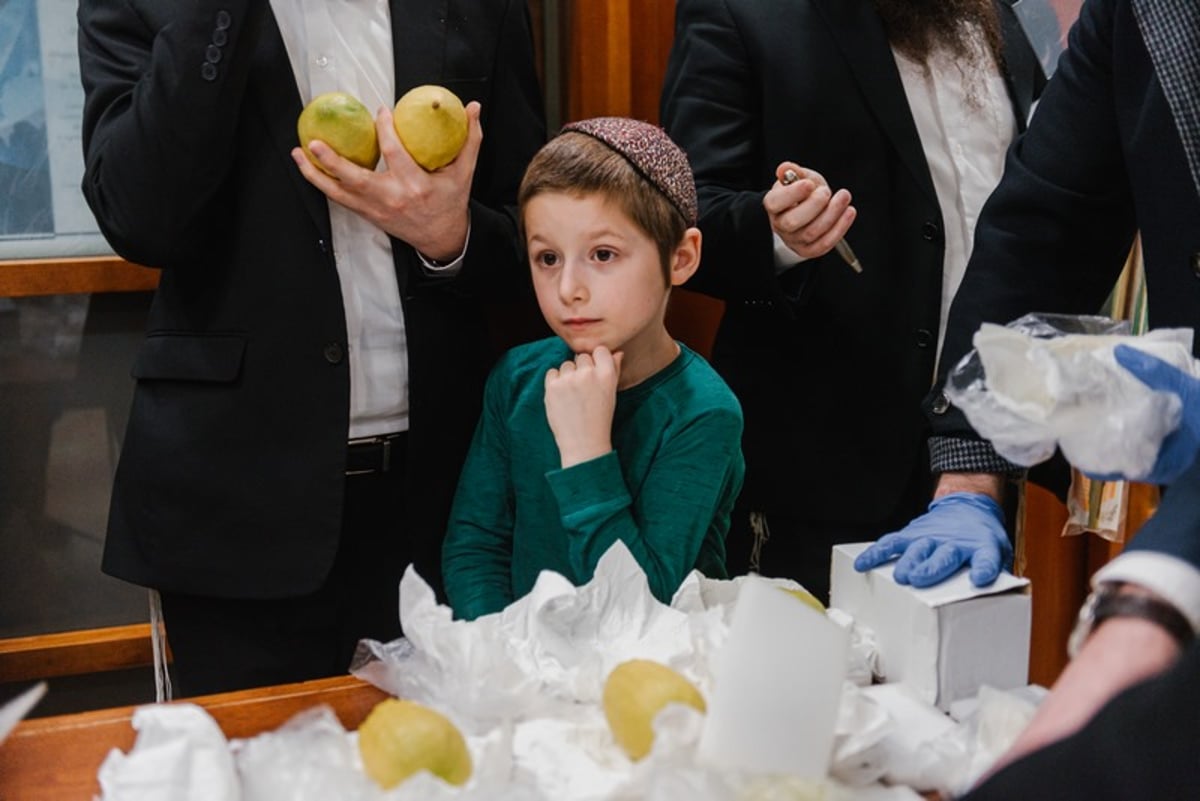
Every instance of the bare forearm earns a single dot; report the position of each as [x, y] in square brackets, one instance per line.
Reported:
[1119, 654]
[990, 484]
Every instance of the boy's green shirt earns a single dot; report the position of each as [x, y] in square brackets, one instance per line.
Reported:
[666, 490]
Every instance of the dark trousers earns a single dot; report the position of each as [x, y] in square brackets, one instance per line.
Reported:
[784, 543]
[785, 546]
[220, 644]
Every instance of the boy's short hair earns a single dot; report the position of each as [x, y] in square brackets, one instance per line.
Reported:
[633, 163]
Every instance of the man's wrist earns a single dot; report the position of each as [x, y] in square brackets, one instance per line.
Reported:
[989, 484]
[449, 247]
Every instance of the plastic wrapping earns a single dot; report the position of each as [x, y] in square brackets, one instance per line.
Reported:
[309, 758]
[1046, 381]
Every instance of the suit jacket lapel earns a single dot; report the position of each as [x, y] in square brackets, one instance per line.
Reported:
[274, 85]
[856, 28]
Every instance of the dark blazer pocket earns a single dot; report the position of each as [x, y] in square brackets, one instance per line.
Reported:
[215, 358]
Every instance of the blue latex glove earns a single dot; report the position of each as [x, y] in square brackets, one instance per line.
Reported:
[1179, 449]
[958, 529]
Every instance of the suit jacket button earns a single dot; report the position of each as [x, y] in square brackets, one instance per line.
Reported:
[224, 20]
[930, 230]
[924, 337]
[220, 38]
[1196, 264]
[941, 404]
[209, 71]
[334, 353]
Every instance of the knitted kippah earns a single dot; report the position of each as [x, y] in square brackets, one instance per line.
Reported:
[651, 152]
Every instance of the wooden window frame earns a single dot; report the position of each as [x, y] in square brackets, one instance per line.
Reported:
[38, 277]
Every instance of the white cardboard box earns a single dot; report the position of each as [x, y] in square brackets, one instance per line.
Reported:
[944, 642]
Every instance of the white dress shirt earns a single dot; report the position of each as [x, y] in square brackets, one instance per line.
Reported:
[346, 45]
[965, 122]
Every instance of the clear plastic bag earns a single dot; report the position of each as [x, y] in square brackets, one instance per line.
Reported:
[1046, 381]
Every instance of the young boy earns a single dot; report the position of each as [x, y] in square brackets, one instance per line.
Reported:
[611, 430]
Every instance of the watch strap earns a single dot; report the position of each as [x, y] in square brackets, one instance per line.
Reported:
[1125, 604]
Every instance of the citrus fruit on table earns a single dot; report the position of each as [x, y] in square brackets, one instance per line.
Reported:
[634, 693]
[399, 738]
[432, 125]
[341, 121]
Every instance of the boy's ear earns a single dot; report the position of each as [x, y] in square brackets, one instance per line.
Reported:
[686, 258]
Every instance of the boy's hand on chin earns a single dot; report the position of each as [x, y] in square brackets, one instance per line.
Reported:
[581, 395]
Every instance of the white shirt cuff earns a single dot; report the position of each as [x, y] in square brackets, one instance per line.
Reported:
[1175, 580]
[785, 257]
[446, 268]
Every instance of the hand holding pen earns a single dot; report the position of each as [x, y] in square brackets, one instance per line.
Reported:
[808, 216]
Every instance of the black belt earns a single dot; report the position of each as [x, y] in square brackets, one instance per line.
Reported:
[375, 454]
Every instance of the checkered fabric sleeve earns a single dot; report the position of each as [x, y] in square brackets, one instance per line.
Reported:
[958, 455]
[1171, 30]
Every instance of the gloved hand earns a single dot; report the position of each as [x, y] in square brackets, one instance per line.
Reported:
[1178, 451]
[959, 528]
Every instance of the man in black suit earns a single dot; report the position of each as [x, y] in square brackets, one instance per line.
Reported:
[1113, 149]
[312, 368]
[908, 105]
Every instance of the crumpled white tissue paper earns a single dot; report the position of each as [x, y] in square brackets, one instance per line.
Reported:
[540, 665]
[180, 754]
[308, 758]
[554, 646]
[1029, 387]
[524, 687]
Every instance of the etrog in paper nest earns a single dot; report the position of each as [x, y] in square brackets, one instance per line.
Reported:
[634, 693]
[399, 738]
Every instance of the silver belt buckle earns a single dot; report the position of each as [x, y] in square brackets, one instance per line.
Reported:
[385, 441]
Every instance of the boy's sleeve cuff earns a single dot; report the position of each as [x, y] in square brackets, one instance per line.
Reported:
[584, 487]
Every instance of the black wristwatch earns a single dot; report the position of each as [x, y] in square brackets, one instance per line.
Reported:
[1107, 601]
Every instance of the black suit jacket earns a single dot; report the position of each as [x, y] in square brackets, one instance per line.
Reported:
[1103, 159]
[231, 477]
[830, 366]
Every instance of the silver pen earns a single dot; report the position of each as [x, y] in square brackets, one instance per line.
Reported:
[842, 247]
